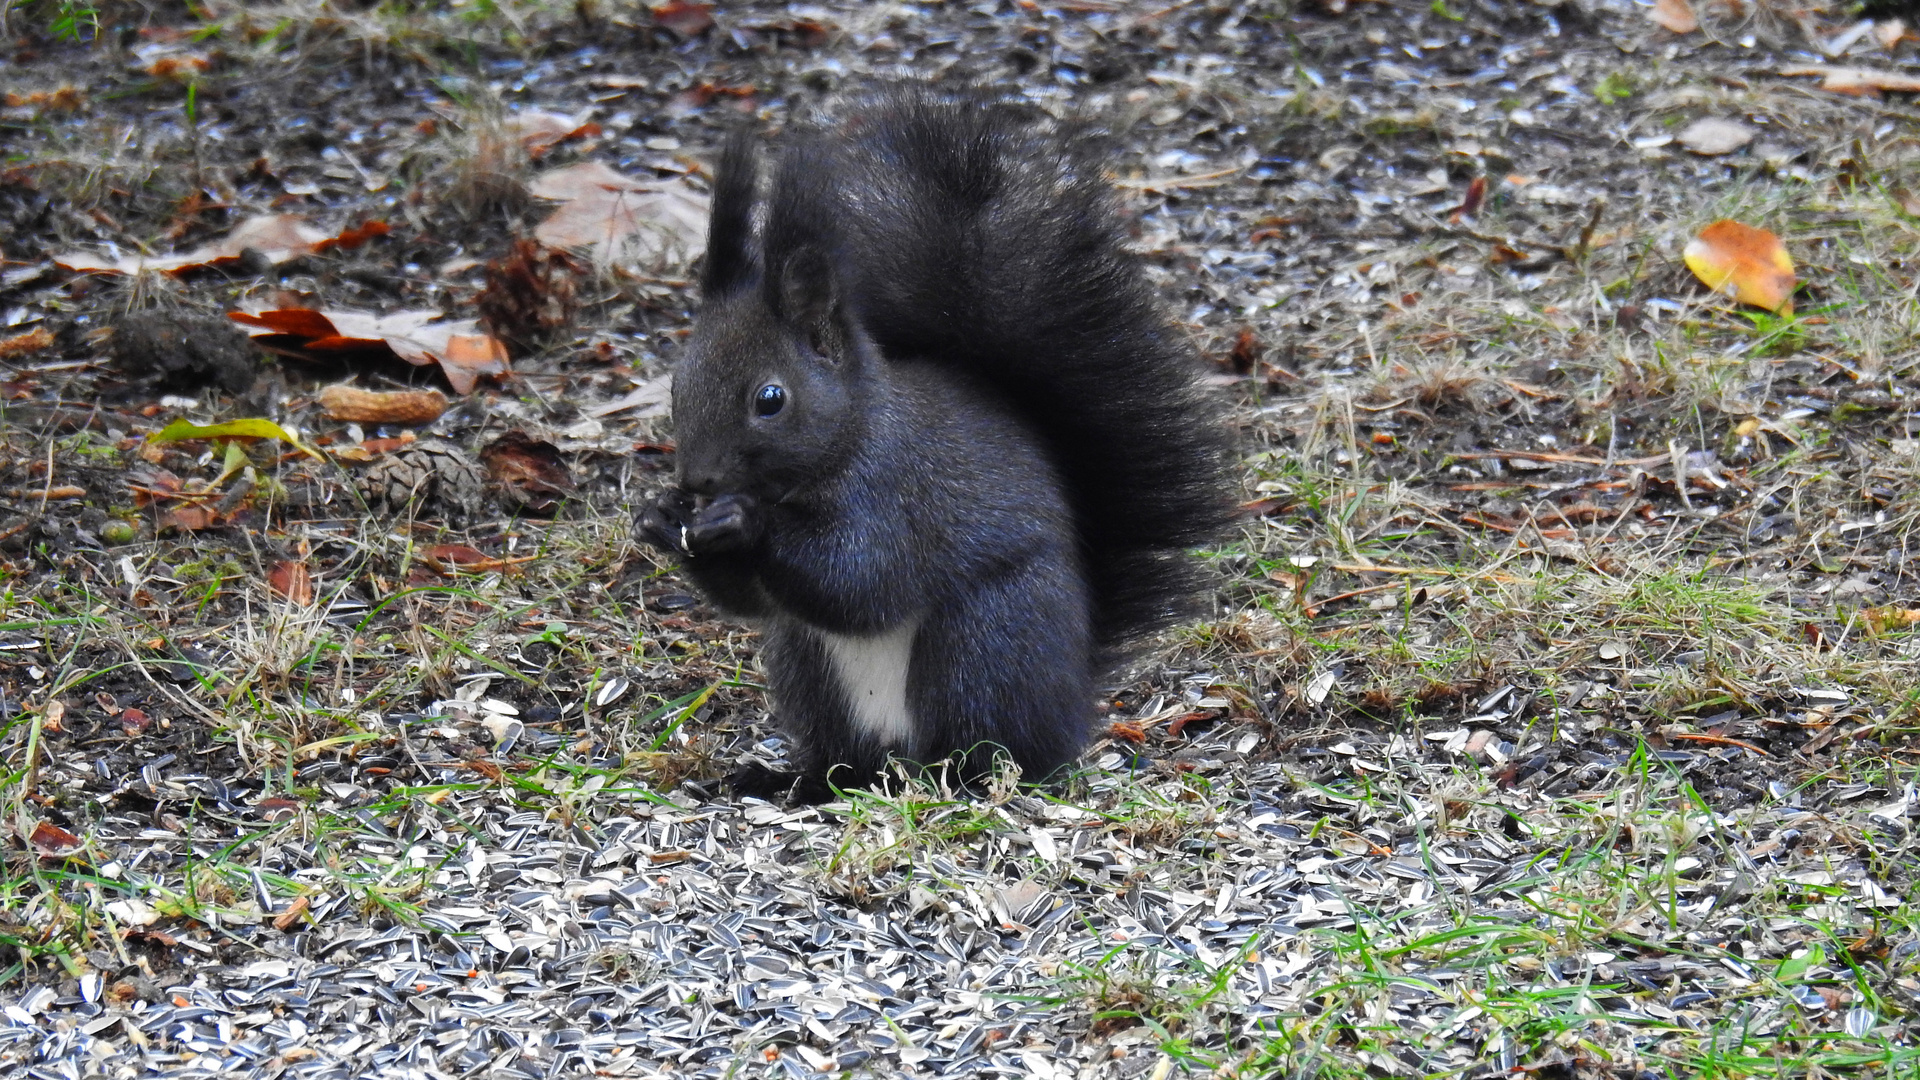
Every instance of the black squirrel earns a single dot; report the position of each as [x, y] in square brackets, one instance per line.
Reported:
[935, 438]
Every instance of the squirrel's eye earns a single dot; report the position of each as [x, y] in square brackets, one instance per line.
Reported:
[769, 399]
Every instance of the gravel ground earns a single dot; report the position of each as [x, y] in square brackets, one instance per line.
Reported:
[1495, 819]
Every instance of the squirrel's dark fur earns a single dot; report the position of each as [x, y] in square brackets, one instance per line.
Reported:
[936, 437]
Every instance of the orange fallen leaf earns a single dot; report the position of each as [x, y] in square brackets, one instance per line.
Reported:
[20, 344]
[467, 357]
[279, 237]
[51, 841]
[450, 559]
[1674, 15]
[540, 131]
[369, 449]
[353, 238]
[1470, 205]
[291, 580]
[179, 66]
[683, 18]
[1857, 82]
[191, 518]
[463, 353]
[65, 99]
[610, 215]
[1179, 723]
[1747, 263]
[287, 920]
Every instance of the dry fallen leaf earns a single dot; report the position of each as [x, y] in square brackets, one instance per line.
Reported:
[1674, 15]
[1858, 82]
[182, 66]
[192, 519]
[463, 353]
[51, 841]
[651, 398]
[368, 449]
[540, 131]
[412, 407]
[685, 19]
[610, 215]
[468, 357]
[1711, 136]
[450, 559]
[278, 237]
[21, 344]
[528, 471]
[1747, 263]
[285, 921]
[1891, 32]
[291, 580]
[1885, 619]
[65, 99]
[1470, 205]
[530, 294]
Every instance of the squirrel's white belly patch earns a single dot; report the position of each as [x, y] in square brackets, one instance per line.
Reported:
[873, 676]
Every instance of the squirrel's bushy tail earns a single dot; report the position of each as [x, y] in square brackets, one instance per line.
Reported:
[980, 236]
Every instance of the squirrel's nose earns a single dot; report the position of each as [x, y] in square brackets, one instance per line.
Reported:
[698, 481]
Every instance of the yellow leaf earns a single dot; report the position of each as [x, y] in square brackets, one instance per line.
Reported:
[1749, 264]
[1886, 619]
[180, 431]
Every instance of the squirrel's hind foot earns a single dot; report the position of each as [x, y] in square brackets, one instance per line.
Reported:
[760, 782]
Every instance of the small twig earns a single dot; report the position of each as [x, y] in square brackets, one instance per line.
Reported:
[1717, 740]
[1314, 608]
[1161, 13]
[1677, 454]
[1599, 207]
[1553, 249]
[1483, 575]
[65, 491]
[1174, 183]
[1560, 459]
[48, 492]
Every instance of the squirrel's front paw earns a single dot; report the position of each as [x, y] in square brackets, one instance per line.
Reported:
[726, 524]
[664, 524]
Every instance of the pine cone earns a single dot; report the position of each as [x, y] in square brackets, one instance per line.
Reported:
[432, 476]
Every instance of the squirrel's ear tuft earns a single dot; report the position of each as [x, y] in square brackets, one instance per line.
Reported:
[808, 299]
[730, 261]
